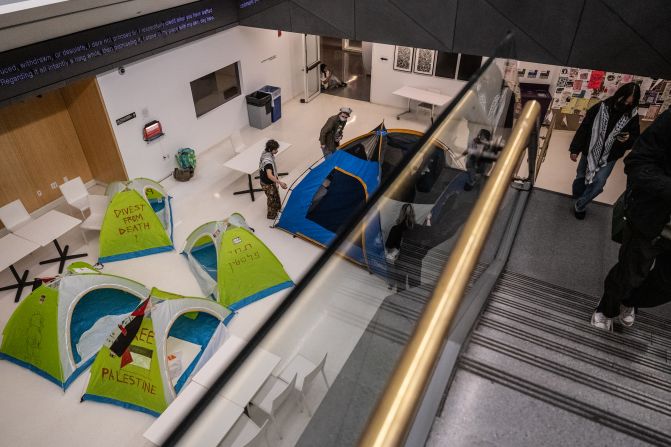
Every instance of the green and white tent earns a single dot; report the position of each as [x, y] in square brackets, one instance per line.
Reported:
[151, 355]
[138, 221]
[57, 330]
[233, 265]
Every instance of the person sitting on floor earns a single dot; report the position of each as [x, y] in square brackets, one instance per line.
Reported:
[404, 222]
[328, 79]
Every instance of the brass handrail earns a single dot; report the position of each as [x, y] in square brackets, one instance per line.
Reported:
[395, 411]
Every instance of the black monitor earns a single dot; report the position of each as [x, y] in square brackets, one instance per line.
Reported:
[216, 88]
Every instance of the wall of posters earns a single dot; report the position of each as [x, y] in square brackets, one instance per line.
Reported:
[578, 89]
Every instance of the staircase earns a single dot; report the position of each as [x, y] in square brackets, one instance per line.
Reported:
[536, 373]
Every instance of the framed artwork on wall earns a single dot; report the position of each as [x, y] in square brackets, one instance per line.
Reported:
[403, 58]
[424, 61]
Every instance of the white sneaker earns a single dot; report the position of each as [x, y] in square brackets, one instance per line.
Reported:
[627, 315]
[392, 254]
[600, 321]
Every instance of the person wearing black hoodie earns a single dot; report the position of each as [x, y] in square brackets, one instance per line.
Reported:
[608, 130]
[642, 276]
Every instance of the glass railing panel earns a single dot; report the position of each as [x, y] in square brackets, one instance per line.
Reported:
[343, 328]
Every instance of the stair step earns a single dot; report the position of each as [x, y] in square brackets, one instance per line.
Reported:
[534, 339]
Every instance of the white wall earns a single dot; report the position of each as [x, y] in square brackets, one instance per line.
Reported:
[158, 88]
[385, 80]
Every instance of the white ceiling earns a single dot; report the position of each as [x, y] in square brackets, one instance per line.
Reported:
[30, 21]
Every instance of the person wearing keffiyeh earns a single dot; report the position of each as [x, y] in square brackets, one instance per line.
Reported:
[608, 130]
[269, 178]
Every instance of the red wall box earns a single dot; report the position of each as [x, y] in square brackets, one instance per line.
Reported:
[152, 130]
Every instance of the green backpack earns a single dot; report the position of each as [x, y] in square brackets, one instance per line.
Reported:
[186, 158]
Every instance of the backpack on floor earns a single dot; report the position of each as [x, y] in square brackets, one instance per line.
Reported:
[182, 175]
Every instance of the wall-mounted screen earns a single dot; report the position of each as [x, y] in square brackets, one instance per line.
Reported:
[45, 65]
[216, 88]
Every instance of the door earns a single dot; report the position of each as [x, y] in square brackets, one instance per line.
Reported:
[311, 67]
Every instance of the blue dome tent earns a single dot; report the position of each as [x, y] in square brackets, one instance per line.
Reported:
[330, 193]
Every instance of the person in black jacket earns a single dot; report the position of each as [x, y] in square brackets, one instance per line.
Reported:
[631, 283]
[332, 131]
[608, 130]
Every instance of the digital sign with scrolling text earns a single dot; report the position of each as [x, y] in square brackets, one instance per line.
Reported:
[41, 65]
[247, 3]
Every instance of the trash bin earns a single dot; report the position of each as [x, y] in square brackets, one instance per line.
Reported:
[276, 94]
[259, 109]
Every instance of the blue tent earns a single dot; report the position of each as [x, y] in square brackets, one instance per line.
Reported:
[332, 192]
[315, 212]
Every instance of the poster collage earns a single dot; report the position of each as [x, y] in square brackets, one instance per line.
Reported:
[579, 89]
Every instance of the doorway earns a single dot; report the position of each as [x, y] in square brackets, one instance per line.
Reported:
[345, 58]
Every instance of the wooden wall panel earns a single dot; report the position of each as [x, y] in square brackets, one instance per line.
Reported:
[14, 179]
[88, 114]
[46, 145]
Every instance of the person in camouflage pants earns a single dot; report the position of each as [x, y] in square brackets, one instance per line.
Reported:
[274, 203]
[270, 178]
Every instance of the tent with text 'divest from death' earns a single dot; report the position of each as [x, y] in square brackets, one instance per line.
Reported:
[138, 221]
[232, 265]
[151, 355]
[57, 330]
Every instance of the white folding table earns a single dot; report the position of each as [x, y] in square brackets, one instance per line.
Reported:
[47, 229]
[219, 361]
[226, 407]
[247, 162]
[12, 250]
[210, 427]
[421, 95]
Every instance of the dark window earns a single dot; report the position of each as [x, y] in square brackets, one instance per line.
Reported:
[456, 66]
[446, 64]
[216, 88]
[468, 65]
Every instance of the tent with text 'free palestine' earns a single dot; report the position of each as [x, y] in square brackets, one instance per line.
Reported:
[57, 330]
[148, 358]
[138, 221]
[233, 265]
